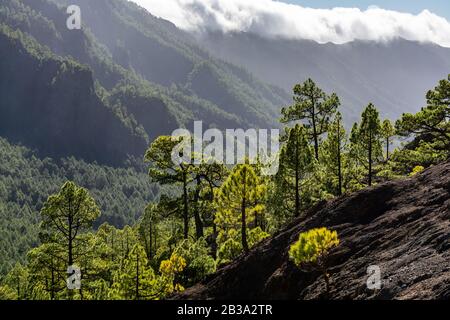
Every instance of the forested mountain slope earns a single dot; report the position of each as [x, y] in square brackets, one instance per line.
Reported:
[50, 104]
[86, 117]
[83, 104]
[26, 181]
[124, 45]
[162, 54]
[401, 226]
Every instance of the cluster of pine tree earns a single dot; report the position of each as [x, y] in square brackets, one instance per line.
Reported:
[111, 263]
[210, 213]
[27, 179]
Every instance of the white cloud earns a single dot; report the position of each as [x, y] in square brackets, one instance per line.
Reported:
[277, 19]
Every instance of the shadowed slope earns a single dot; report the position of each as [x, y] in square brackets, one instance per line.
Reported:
[401, 226]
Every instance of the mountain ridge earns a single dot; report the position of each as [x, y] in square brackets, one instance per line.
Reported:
[394, 75]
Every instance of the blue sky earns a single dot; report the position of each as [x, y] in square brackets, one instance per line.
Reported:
[440, 7]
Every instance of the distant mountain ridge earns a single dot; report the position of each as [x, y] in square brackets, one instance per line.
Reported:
[395, 75]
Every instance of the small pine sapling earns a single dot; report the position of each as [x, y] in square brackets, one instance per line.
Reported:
[311, 251]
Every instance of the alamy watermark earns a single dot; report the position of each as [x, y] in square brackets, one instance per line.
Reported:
[374, 277]
[74, 279]
[231, 147]
[73, 22]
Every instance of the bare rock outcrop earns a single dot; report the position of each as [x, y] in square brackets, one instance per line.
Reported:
[401, 226]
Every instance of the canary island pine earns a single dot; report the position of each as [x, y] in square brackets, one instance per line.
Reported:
[311, 251]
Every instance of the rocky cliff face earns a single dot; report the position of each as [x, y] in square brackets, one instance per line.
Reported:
[401, 226]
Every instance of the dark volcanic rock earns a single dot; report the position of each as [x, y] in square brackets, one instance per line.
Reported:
[402, 226]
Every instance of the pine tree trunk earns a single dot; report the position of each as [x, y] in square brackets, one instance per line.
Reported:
[18, 287]
[70, 249]
[137, 277]
[214, 242]
[150, 251]
[155, 243]
[52, 290]
[243, 217]
[387, 149]
[197, 218]
[340, 175]
[244, 226]
[370, 160]
[316, 138]
[297, 182]
[186, 209]
[327, 282]
[339, 155]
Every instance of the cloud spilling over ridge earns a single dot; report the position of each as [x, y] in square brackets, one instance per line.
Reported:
[277, 19]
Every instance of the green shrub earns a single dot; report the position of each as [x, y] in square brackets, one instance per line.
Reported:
[311, 251]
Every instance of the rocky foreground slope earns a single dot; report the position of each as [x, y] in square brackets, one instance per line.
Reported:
[401, 226]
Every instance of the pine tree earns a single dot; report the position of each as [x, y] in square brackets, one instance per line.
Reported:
[311, 251]
[295, 161]
[67, 214]
[369, 137]
[334, 149]
[47, 268]
[432, 124]
[169, 269]
[355, 161]
[136, 280]
[164, 171]
[207, 177]
[148, 230]
[199, 262]
[239, 201]
[387, 131]
[313, 105]
[95, 265]
[18, 281]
